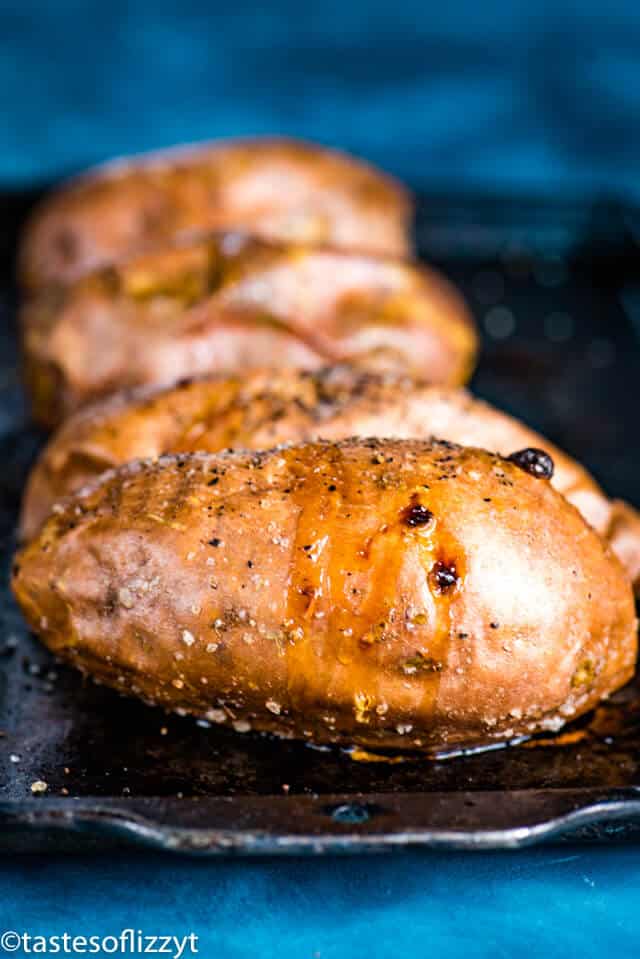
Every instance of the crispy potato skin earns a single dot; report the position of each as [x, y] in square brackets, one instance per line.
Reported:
[276, 188]
[230, 302]
[268, 407]
[387, 593]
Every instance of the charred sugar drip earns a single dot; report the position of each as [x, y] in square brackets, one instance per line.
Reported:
[533, 461]
[443, 564]
[443, 576]
[417, 515]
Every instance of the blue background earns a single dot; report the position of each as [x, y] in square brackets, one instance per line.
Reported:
[542, 94]
[511, 96]
[556, 903]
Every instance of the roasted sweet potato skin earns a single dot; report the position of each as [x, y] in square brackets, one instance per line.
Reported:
[623, 533]
[387, 593]
[275, 188]
[230, 302]
[267, 407]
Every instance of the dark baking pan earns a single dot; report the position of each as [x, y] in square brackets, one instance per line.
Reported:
[556, 291]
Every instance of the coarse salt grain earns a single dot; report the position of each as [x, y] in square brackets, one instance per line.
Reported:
[126, 598]
[241, 726]
[216, 715]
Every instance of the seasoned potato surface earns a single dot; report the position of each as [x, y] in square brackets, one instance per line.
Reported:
[387, 593]
[267, 407]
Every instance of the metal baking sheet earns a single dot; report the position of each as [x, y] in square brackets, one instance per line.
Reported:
[556, 291]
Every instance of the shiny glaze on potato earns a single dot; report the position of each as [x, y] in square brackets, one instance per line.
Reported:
[386, 593]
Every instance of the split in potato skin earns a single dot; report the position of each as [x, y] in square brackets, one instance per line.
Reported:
[277, 189]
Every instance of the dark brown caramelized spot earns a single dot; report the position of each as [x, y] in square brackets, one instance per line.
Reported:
[533, 461]
[417, 515]
[443, 576]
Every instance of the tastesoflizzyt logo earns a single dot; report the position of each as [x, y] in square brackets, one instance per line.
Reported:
[128, 942]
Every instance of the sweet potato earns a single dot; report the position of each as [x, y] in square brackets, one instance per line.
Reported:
[275, 188]
[385, 593]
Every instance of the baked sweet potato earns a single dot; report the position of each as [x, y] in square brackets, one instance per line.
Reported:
[275, 188]
[230, 302]
[386, 593]
[268, 407]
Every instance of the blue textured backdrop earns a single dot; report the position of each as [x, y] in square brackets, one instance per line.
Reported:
[557, 903]
[517, 94]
